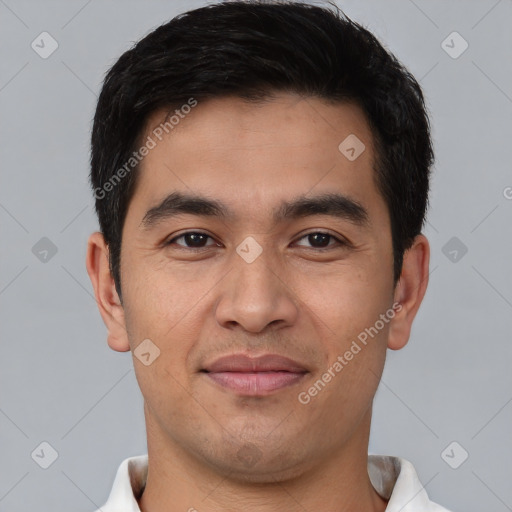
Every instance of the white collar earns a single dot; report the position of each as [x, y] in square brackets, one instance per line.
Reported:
[395, 479]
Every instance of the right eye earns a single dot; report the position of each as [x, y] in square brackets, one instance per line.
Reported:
[192, 240]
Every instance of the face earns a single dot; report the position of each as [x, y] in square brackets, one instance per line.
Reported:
[267, 266]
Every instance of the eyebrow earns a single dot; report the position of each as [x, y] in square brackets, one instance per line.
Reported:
[332, 204]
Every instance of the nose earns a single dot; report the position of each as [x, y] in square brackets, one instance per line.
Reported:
[255, 297]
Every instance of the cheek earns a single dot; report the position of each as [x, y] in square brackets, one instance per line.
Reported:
[166, 310]
[343, 389]
[169, 306]
[159, 298]
[347, 301]
[347, 311]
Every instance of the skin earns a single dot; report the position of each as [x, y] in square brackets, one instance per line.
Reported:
[295, 300]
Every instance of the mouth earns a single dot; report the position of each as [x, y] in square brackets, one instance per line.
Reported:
[255, 376]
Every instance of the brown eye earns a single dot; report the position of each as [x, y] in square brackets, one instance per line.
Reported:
[319, 240]
[192, 240]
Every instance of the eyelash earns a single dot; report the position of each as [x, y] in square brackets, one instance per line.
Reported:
[338, 241]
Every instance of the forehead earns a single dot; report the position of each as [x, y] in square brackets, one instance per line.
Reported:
[283, 120]
[253, 155]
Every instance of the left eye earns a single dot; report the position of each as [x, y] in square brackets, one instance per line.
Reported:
[193, 240]
[320, 240]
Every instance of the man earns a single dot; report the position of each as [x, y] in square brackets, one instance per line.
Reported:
[261, 179]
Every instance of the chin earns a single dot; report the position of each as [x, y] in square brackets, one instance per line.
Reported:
[258, 463]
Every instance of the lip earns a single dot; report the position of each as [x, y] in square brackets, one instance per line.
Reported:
[255, 376]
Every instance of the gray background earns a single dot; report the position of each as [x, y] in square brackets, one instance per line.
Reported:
[59, 381]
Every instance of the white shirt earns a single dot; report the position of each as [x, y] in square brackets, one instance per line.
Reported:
[395, 479]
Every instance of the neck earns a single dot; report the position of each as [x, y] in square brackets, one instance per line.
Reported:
[176, 481]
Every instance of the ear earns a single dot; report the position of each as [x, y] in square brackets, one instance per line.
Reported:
[109, 304]
[409, 291]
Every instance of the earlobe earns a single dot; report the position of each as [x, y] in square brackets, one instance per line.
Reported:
[107, 298]
[409, 291]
